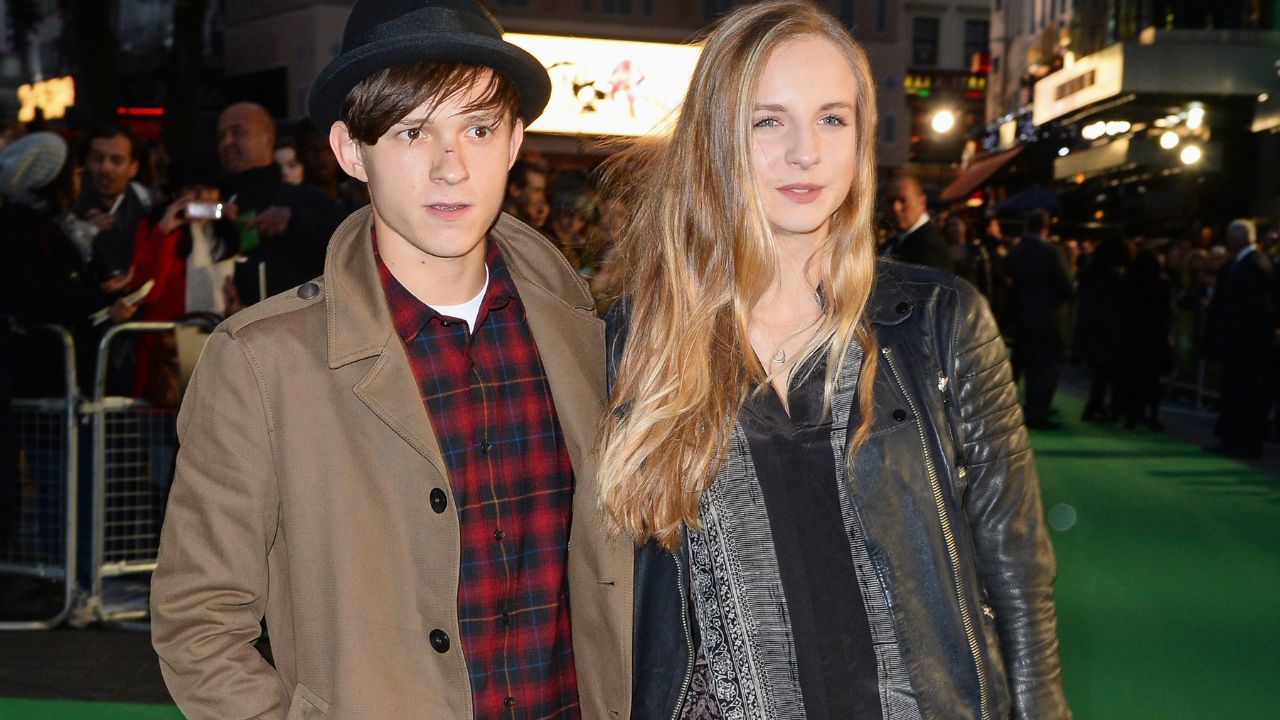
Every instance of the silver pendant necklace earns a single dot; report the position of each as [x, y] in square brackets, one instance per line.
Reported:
[780, 356]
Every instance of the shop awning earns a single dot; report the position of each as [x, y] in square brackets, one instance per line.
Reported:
[978, 172]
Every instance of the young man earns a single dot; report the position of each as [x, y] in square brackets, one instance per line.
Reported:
[388, 463]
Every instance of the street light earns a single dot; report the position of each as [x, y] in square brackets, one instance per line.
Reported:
[1190, 155]
[1195, 116]
[1169, 140]
[943, 121]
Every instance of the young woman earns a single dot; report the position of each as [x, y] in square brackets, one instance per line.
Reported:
[820, 454]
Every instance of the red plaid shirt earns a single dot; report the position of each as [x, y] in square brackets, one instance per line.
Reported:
[492, 413]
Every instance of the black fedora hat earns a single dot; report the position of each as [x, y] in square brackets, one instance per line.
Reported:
[386, 33]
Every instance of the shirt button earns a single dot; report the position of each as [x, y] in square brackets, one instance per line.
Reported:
[509, 701]
[486, 447]
[439, 641]
[498, 534]
[505, 618]
[438, 501]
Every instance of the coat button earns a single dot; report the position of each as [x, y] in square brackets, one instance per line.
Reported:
[899, 414]
[309, 290]
[439, 641]
[902, 308]
[438, 501]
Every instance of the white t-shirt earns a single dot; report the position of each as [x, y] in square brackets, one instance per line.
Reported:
[468, 310]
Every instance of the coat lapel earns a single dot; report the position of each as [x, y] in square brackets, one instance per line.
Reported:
[360, 328]
[569, 337]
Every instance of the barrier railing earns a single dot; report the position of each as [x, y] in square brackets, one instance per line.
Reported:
[44, 435]
[134, 446]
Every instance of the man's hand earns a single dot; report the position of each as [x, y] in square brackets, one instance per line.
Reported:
[122, 311]
[272, 221]
[101, 220]
[116, 283]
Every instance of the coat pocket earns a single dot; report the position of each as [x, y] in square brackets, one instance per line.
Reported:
[306, 704]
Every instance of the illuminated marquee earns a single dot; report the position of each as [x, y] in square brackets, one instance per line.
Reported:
[609, 87]
[52, 97]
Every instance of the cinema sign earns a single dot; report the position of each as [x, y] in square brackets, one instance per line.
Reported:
[609, 87]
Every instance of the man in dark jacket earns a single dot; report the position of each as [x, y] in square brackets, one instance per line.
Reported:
[1240, 333]
[917, 239]
[1039, 288]
[113, 203]
[285, 228]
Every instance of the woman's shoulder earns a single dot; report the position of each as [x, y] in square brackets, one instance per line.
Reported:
[901, 286]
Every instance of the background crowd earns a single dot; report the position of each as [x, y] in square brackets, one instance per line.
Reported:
[102, 228]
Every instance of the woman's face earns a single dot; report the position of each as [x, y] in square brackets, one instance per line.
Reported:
[803, 140]
[290, 167]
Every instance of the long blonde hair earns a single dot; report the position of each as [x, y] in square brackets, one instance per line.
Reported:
[696, 255]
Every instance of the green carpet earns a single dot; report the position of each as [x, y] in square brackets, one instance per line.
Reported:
[68, 710]
[1168, 575]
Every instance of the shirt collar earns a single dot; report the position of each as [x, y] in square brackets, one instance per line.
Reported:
[409, 315]
[924, 218]
[1247, 249]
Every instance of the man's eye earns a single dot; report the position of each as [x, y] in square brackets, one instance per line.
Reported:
[413, 134]
[481, 131]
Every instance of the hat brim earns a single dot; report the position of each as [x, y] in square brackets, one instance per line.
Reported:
[324, 102]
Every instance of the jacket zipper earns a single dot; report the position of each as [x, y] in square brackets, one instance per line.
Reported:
[943, 382]
[688, 637]
[948, 536]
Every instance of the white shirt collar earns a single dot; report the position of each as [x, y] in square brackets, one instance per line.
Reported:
[924, 218]
[1247, 249]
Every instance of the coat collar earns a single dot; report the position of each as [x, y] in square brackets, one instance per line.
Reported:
[358, 320]
[558, 307]
[889, 303]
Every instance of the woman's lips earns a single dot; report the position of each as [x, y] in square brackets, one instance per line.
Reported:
[802, 193]
[447, 211]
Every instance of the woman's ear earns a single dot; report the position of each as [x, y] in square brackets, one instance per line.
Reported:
[348, 150]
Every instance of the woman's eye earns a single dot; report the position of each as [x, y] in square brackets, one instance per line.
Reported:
[832, 120]
[767, 122]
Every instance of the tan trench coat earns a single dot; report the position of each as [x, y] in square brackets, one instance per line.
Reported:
[301, 494]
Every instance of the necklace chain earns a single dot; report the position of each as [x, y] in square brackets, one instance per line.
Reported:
[779, 356]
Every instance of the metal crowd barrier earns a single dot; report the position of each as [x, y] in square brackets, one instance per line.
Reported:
[134, 446]
[45, 484]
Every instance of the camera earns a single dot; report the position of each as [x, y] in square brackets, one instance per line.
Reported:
[200, 210]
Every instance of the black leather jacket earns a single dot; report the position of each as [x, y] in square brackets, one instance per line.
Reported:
[947, 491]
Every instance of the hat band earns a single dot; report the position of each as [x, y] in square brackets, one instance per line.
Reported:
[433, 20]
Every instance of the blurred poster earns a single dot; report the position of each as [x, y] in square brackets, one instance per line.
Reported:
[609, 87]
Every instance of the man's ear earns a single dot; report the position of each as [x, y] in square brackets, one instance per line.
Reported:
[348, 150]
[517, 138]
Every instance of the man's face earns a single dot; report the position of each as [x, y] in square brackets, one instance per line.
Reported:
[111, 165]
[245, 139]
[317, 158]
[532, 195]
[437, 178]
[907, 202]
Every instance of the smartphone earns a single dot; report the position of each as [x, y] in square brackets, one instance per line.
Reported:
[200, 210]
